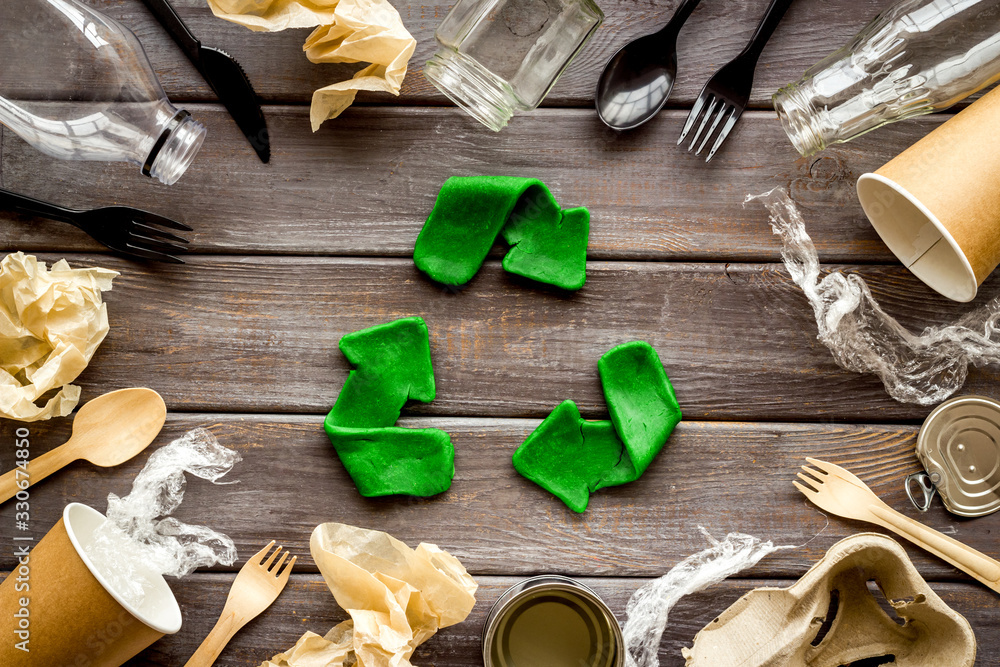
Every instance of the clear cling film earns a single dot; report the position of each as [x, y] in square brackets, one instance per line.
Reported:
[141, 540]
[649, 607]
[924, 368]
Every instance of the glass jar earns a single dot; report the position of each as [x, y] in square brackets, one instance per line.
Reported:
[916, 57]
[502, 56]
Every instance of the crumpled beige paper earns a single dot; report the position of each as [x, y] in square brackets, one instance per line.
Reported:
[51, 323]
[350, 31]
[397, 598]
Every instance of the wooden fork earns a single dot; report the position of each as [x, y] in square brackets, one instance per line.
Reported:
[257, 585]
[839, 492]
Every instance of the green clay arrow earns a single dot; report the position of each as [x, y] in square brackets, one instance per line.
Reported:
[549, 244]
[571, 457]
[392, 365]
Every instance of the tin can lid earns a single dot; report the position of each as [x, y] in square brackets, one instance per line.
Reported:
[597, 618]
[959, 446]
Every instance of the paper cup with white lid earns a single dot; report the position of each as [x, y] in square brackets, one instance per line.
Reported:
[74, 617]
[937, 204]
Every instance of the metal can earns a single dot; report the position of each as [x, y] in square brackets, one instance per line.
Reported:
[959, 447]
[551, 621]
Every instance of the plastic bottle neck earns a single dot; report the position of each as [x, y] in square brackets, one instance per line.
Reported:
[485, 96]
[175, 149]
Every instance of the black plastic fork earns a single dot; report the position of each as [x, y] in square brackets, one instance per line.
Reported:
[128, 231]
[726, 94]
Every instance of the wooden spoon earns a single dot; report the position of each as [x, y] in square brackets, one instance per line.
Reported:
[107, 431]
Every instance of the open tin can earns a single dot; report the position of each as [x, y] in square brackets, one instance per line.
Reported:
[959, 447]
[551, 621]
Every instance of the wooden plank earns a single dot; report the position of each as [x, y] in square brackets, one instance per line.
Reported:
[366, 185]
[261, 334]
[307, 605]
[714, 34]
[724, 476]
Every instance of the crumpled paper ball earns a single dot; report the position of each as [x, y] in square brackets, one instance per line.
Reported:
[397, 598]
[51, 323]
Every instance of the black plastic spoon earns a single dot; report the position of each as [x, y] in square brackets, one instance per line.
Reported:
[637, 80]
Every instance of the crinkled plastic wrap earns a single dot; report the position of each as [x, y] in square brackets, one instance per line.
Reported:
[649, 606]
[925, 368]
[136, 543]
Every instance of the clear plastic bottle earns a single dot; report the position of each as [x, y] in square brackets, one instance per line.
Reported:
[916, 57]
[502, 56]
[77, 85]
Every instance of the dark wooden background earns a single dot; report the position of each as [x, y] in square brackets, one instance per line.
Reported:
[292, 255]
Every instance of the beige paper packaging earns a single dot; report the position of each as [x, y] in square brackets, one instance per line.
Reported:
[72, 618]
[937, 204]
[832, 616]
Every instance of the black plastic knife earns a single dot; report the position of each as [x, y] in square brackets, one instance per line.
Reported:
[223, 74]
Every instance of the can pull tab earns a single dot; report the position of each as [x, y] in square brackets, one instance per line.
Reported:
[925, 483]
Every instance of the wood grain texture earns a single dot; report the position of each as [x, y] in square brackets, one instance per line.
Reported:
[365, 185]
[307, 605]
[260, 335]
[292, 255]
[724, 476]
[713, 35]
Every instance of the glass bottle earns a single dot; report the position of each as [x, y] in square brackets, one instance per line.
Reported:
[77, 85]
[502, 56]
[916, 57]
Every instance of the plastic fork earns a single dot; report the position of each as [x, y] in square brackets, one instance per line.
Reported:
[128, 231]
[257, 585]
[726, 94]
[837, 491]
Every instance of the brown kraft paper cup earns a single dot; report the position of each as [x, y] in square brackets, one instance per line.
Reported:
[72, 619]
[937, 204]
